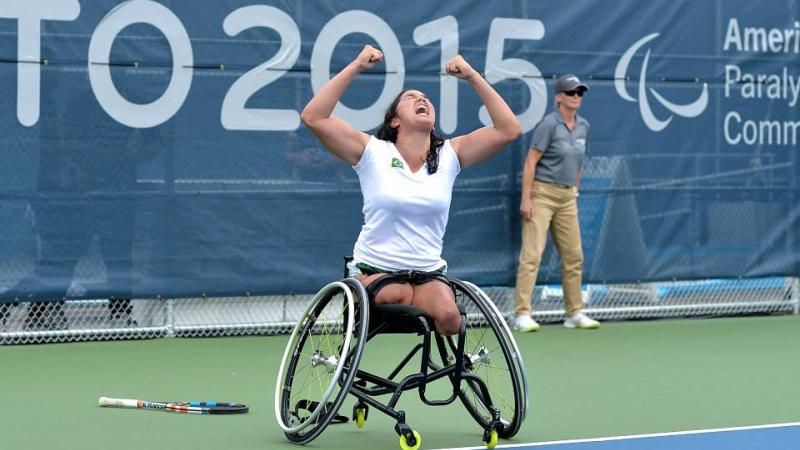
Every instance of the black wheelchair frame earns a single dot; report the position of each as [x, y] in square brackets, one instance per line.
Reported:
[302, 420]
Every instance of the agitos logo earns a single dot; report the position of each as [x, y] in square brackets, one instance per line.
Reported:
[692, 109]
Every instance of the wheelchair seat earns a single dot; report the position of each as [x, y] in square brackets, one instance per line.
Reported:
[395, 318]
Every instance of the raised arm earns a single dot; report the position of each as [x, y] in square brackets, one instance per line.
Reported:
[485, 142]
[337, 135]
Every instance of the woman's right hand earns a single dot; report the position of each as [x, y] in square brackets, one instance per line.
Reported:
[526, 209]
[369, 57]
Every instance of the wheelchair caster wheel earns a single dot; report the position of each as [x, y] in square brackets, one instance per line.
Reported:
[490, 438]
[361, 417]
[360, 413]
[405, 445]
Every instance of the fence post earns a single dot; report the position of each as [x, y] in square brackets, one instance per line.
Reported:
[170, 317]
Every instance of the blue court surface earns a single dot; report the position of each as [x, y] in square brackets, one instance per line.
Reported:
[782, 436]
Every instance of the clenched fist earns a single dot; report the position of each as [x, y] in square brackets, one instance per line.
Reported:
[460, 68]
[369, 57]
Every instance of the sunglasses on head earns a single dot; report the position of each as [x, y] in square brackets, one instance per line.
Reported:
[578, 92]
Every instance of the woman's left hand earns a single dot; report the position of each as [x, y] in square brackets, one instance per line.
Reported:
[460, 68]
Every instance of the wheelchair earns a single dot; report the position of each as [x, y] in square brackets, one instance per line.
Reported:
[320, 365]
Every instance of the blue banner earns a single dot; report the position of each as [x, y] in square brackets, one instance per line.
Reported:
[154, 148]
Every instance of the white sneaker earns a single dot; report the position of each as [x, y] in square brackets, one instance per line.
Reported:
[526, 324]
[582, 321]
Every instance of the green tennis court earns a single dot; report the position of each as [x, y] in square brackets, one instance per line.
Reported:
[626, 378]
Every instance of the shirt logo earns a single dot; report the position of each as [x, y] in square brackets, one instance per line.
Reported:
[689, 110]
[397, 163]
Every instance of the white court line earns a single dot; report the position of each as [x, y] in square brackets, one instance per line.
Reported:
[636, 436]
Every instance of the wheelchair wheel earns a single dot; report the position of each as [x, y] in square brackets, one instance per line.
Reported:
[491, 353]
[321, 360]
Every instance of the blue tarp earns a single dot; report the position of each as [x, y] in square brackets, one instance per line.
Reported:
[138, 158]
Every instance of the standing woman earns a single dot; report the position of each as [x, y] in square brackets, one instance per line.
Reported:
[550, 182]
[406, 174]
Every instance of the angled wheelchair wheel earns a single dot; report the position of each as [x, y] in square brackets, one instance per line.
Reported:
[321, 360]
[491, 353]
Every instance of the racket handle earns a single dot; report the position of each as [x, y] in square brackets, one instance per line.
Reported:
[119, 402]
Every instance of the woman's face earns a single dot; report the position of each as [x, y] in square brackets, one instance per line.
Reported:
[414, 111]
[572, 99]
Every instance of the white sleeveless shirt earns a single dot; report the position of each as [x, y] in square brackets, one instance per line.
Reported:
[405, 213]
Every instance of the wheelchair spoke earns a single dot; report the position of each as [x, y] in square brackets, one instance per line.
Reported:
[312, 377]
[319, 380]
[496, 389]
[323, 332]
[308, 381]
[308, 363]
[479, 341]
[338, 324]
[327, 331]
[499, 392]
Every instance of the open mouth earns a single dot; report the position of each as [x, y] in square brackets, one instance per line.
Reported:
[421, 109]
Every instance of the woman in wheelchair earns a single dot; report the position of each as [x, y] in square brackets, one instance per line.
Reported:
[406, 172]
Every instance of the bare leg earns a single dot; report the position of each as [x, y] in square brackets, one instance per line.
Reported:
[434, 298]
[391, 293]
[438, 302]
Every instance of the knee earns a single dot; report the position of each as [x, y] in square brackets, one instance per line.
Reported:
[529, 259]
[572, 260]
[449, 321]
[528, 266]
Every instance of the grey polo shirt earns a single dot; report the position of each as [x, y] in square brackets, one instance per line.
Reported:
[563, 149]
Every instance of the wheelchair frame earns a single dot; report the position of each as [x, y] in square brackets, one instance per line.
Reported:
[363, 322]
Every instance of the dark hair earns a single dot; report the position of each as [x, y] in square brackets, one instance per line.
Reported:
[387, 133]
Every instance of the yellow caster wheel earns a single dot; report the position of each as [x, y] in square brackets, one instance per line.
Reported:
[361, 417]
[492, 442]
[405, 446]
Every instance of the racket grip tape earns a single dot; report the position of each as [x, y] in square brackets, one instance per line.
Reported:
[119, 402]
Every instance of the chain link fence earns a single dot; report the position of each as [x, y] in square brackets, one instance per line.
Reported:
[89, 320]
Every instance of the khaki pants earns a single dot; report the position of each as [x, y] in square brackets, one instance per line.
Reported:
[554, 208]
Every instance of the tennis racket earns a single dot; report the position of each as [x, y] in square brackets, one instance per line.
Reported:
[179, 407]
